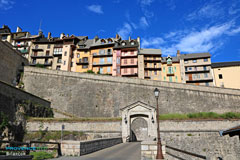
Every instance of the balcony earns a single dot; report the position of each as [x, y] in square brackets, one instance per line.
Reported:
[41, 65]
[81, 62]
[129, 55]
[37, 49]
[170, 74]
[58, 46]
[151, 60]
[197, 71]
[154, 68]
[102, 64]
[41, 56]
[208, 79]
[129, 75]
[103, 54]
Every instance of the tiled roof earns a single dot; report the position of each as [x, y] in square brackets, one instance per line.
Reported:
[195, 55]
[98, 42]
[225, 64]
[151, 51]
[119, 45]
[174, 59]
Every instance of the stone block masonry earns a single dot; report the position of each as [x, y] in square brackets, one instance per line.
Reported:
[89, 95]
[11, 63]
[11, 96]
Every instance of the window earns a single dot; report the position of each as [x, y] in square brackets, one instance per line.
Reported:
[176, 78]
[101, 70]
[195, 68]
[189, 68]
[102, 52]
[125, 70]
[132, 52]
[84, 66]
[59, 60]
[207, 84]
[46, 61]
[57, 51]
[64, 62]
[175, 68]
[132, 70]
[101, 60]
[65, 53]
[132, 43]
[123, 43]
[194, 61]
[170, 79]
[58, 67]
[108, 69]
[220, 76]
[47, 53]
[109, 59]
[71, 64]
[109, 51]
[34, 61]
[204, 68]
[205, 75]
[132, 61]
[155, 72]
[35, 53]
[4, 37]
[85, 59]
[163, 69]
[48, 46]
[185, 61]
[164, 78]
[205, 59]
[125, 61]
[85, 52]
[170, 70]
[36, 46]
[78, 55]
[118, 60]
[118, 69]
[169, 61]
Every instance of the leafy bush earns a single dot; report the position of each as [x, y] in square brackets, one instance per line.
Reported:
[41, 155]
[40, 66]
[3, 121]
[89, 71]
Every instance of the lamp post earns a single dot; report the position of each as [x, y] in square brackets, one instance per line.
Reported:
[159, 145]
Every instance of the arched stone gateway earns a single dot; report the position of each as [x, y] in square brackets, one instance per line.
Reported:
[139, 122]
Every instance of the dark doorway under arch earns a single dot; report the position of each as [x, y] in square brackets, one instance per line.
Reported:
[139, 129]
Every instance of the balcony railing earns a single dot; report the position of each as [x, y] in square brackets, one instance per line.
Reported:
[82, 62]
[102, 64]
[41, 56]
[24, 51]
[102, 54]
[170, 74]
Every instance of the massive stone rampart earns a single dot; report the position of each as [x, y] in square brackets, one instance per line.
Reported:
[11, 63]
[90, 95]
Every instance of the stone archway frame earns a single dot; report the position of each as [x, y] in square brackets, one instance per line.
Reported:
[142, 110]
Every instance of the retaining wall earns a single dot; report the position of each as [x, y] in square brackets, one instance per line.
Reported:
[90, 95]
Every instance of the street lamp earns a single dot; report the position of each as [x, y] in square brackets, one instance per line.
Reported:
[159, 145]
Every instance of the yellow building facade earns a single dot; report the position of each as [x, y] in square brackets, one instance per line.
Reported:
[171, 69]
[226, 74]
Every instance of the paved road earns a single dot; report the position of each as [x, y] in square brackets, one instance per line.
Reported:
[123, 151]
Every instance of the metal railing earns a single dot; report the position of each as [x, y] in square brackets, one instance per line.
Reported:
[185, 152]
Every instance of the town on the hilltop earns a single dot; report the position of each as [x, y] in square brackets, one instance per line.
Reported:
[119, 57]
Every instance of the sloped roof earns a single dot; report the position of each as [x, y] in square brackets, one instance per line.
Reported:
[150, 51]
[225, 64]
[119, 44]
[174, 59]
[195, 55]
[138, 103]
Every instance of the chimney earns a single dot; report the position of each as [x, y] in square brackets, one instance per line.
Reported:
[49, 35]
[67, 35]
[178, 53]
[19, 29]
[129, 38]
[62, 35]
[138, 40]
[96, 38]
[117, 36]
[40, 33]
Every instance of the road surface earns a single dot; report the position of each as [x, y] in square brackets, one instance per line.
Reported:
[123, 151]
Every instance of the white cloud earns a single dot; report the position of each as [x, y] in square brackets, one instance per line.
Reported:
[146, 2]
[209, 10]
[205, 40]
[6, 4]
[125, 31]
[235, 7]
[143, 22]
[153, 42]
[95, 8]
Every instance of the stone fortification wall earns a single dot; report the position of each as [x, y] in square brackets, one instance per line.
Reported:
[11, 96]
[11, 63]
[89, 95]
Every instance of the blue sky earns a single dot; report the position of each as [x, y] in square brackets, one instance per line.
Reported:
[188, 25]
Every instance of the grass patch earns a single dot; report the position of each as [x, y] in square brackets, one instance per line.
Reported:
[42, 155]
[104, 119]
[50, 135]
[200, 115]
